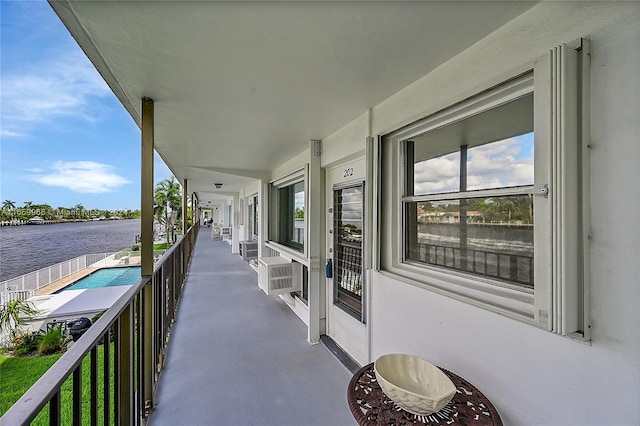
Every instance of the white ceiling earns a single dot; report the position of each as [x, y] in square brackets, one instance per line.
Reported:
[242, 86]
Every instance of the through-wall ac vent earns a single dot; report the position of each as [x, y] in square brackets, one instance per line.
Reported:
[277, 275]
[248, 250]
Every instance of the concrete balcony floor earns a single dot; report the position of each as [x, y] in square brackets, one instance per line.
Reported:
[240, 357]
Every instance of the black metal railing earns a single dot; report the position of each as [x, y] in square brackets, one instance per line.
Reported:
[133, 336]
[511, 267]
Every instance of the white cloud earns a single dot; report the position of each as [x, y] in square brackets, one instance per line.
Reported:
[299, 200]
[81, 176]
[5, 133]
[499, 164]
[51, 88]
[495, 165]
[439, 174]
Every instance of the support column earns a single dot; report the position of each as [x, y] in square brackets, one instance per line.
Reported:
[146, 252]
[235, 241]
[185, 216]
[315, 241]
[193, 210]
[263, 213]
[146, 200]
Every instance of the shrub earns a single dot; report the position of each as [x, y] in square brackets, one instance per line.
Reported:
[97, 316]
[13, 313]
[25, 344]
[52, 341]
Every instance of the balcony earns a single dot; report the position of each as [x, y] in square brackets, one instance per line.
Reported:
[222, 353]
[238, 356]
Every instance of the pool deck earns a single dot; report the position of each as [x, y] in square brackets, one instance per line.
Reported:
[63, 282]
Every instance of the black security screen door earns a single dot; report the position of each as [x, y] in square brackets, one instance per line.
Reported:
[348, 223]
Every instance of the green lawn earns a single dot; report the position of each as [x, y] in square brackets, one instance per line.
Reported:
[159, 246]
[18, 374]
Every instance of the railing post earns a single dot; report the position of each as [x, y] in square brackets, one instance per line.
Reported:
[106, 374]
[147, 347]
[513, 267]
[124, 359]
[77, 396]
[54, 409]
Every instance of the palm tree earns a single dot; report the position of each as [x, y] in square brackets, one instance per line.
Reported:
[11, 314]
[28, 204]
[175, 203]
[80, 209]
[8, 205]
[168, 204]
[160, 210]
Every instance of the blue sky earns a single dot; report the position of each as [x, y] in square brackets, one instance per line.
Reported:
[65, 138]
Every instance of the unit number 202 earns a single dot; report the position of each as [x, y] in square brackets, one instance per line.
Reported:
[348, 172]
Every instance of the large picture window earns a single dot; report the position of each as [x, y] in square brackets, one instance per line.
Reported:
[468, 202]
[252, 218]
[487, 200]
[287, 211]
[291, 215]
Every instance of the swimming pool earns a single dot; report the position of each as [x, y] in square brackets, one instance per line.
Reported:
[108, 277]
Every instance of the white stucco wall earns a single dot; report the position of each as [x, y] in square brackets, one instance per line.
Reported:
[347, 143]
[534, 376]
[252, 190]
[292, 165]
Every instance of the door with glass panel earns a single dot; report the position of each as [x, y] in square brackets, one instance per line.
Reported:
[348, 224]
[346, 285]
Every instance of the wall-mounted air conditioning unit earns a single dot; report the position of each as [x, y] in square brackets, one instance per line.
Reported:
[248, 250]
[226, 232]
[215, 233]
[278, 276]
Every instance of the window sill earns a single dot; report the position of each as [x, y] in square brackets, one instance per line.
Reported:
[517, 304]
[288, 253]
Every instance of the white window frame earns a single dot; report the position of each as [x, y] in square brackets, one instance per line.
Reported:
[559, 300]
[253, 217]
[274, 214]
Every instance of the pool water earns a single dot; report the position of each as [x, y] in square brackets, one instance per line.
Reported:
[108, 277]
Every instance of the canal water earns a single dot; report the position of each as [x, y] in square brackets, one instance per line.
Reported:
[26, 248]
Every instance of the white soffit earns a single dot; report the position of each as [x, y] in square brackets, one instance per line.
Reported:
[244, 85]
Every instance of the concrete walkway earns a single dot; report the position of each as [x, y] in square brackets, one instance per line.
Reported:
[240, 357]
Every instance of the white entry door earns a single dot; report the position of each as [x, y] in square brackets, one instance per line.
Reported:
[346, 313]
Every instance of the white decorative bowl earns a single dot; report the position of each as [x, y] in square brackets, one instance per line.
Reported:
[414, 384]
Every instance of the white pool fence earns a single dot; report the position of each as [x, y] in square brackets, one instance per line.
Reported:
[24, 286]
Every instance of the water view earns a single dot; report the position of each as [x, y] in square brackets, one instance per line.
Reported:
[24, 249]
